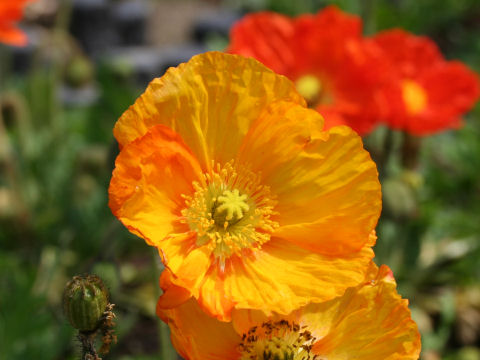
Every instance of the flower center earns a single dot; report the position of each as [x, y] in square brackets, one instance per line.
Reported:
[230, 208]
[280, 340]
[414, 97]
[309, 87]
[313, 90]
[230, 211]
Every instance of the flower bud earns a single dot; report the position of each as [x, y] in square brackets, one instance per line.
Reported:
[84, 301]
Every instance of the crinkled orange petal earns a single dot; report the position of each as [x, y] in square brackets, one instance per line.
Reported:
[282, 277]
[306, 168]
[326, 184]
[197, 336]
[172, 296]
[213, 296]
[370, 321]
[267, 37]
[187, 262]
[210, 101]
[150, 176]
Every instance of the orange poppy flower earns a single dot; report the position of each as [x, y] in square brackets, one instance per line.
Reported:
[369, 321]
[10, 13]
[249, 201]
[428, 94]
[324, 54]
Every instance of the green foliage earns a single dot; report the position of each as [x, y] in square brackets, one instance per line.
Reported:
[54, 215]
[28, 327]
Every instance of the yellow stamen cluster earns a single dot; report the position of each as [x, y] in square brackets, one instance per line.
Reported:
[313, 90]
[280, 340]
[230, 211]
[309, 87]
[414, 97]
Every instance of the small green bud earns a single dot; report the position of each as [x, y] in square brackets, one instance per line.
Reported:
[84, 301]
[399, 198]
[79, 72]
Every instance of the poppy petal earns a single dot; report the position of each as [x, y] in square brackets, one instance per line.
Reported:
[326, 184]
[371, 321]
[210, 101]
[196, 335]
[299, 276]
[150, 176]
[267, 37]
[12, 36]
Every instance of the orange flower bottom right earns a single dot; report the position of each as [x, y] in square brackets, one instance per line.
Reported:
[370, 321]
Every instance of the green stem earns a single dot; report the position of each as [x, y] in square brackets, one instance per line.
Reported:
[87, 339]
[385, 154]
[12, 175]
[368, 15]
[64, 16]
[410, 151]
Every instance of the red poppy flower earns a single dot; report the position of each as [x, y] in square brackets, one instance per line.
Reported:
[324, 54]
[428, 94]
[10, 13]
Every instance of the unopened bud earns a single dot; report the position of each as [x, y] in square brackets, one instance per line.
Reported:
[84, 301]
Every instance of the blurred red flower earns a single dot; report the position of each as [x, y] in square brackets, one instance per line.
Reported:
[334, 68]
[10, 13]
[428, 94]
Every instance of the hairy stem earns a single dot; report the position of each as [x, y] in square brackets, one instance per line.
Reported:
[87, 339]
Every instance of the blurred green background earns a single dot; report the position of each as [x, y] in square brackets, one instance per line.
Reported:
[86, 63]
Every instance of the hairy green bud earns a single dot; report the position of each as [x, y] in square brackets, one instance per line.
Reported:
[84, 301]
